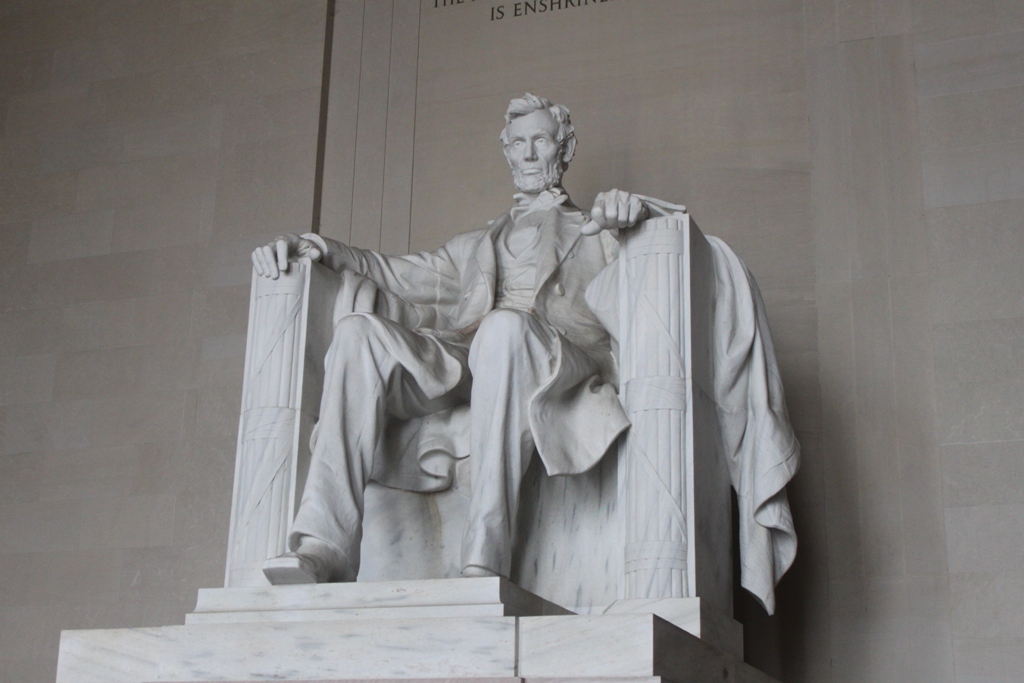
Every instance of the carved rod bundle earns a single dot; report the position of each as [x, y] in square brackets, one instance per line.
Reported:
[291, 321]
[655, 376]
[264, 480]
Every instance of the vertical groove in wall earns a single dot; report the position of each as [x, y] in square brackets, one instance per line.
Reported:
[412, 160]
[321, 138]
[355, 122]
[371, 130]
[366, 187]
[396, 203]
[342, 120]
[387, 117]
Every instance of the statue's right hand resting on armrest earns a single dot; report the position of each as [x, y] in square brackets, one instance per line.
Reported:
[272, 260]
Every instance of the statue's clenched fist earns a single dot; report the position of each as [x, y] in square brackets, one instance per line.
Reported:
[614, 210]
[272, 260]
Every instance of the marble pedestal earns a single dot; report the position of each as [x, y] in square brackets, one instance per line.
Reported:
[437, 630]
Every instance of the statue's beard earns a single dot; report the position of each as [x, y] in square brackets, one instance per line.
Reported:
[533, 183]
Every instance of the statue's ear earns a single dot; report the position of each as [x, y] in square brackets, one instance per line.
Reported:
[568, 149]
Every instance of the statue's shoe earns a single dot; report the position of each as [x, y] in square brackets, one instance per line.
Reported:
[292, 568]
[314, 561]
[475, 571]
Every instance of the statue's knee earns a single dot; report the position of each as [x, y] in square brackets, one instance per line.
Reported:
[356, 325]
[358, 330]
[500, 337]
[503, 326]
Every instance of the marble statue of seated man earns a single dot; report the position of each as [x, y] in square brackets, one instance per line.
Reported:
[503, 326]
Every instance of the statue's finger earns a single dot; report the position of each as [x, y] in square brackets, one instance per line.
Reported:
[622, 214]
[635, 207]
[314, 254]
[261, 257]
[282, 255]
[256, 262]
[271, 260]
[590, 228]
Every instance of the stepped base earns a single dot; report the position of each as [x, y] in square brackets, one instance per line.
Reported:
[433, 598]
[642, 679]
[397, 631]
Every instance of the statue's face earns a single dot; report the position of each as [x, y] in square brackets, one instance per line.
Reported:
[533, 152]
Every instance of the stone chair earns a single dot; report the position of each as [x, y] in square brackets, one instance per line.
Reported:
[648, 529]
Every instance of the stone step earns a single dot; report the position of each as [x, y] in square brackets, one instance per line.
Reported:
[630, 679]
[429, 599]
[485, 629]
[640, 647]
[434, 598]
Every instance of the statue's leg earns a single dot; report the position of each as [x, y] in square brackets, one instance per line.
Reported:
[374, 368]
[512, 355]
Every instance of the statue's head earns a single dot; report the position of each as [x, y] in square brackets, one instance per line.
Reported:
[539, 142]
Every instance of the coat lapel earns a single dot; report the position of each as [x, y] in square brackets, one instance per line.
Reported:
[559, 234]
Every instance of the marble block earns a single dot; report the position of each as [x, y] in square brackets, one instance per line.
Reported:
[623, 645]
[435, 630]
[463, 647]
[281, 391]
[617, 679]
[693, 615]
[434, 598]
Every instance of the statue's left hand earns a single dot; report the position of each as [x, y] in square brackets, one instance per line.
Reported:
[615, 210]
[272, 260]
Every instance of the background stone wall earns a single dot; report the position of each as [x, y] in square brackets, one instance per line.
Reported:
[866, 158]
[146, 146]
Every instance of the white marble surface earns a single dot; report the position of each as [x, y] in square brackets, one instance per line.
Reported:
[290, 325]
[609, 645]
[616, 679]
[692, 345]
[623, 645]
[395, 648]
[436, 598]
[656, 389]
[364, 631]
[569, 534]
[409, 535]
[427, 612]
[569, 542]
[532, 260]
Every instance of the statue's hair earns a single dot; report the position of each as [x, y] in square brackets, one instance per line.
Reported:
[529, 103]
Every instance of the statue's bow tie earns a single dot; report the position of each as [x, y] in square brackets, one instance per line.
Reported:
[527, 203]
